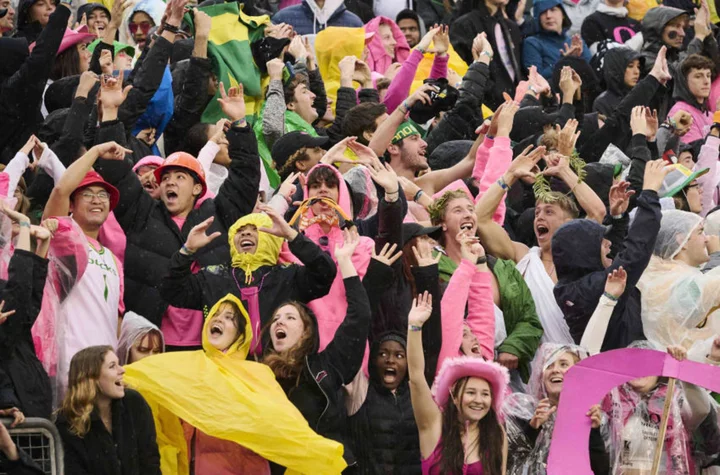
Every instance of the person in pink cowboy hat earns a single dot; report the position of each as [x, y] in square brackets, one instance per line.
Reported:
[72, 59]
[459, 421]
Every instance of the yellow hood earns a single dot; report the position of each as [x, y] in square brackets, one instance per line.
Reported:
[268, 246]
[241, 347]
[331, 45]
[228, 397]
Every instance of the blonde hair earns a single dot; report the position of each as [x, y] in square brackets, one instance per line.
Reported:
[439, 207]
[82, 393]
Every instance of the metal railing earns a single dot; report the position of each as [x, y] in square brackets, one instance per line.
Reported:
[39, 439]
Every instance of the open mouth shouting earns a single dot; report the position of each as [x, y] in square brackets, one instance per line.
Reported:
[247, 245]
[542, 231]
[171, 196]
[475, 350]
[280, 334]
[390, 376]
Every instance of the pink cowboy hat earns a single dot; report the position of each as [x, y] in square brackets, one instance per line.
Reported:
[455, 368]
[72, 38]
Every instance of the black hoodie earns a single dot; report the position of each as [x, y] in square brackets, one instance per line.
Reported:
[615, 62]
[576, 249]
[30, 30]
[384, 429]
[318, 391]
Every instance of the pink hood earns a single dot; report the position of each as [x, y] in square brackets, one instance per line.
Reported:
[150, 160]
[378, 59]
[331, 309]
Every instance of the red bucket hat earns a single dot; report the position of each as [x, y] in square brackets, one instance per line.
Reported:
[93, 178]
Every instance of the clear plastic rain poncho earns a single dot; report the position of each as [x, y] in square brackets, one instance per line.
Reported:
[679, 302]
[634, 422]
[527, 456]
[68, 256]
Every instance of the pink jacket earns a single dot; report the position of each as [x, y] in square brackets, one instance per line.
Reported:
[378, 59]
[399, 88]
[486, 171]
[701, 121]
[467, 286]
[708, 158]
[331, 309]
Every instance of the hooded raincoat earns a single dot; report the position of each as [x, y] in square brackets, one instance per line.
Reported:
[679, 302]
[543, 49]
[258, 279]
[615, 62]
[576, 248]
[133, 328]
[232, 399]
[378, 58]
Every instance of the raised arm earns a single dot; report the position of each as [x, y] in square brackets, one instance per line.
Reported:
[384, 134]
[594, 333]
[427, 415]
[347, 348]
[274, 114]
[493, 236]
[59, 202]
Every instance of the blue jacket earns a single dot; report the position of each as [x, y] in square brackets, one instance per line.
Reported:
[303, 20]
[543, 49]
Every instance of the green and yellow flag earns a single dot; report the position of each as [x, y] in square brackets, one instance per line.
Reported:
[229, 50]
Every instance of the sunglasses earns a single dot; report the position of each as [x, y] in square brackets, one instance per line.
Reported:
[144, 27]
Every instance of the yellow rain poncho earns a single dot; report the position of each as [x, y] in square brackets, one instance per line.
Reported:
[227, 397]
[267, 250]
[331, 45]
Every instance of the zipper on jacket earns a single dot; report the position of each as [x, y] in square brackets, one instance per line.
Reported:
[327, 399]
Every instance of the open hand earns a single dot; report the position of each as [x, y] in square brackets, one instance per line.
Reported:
[351, 240]
[197, 238]
[543, 411]
[423, 254]
[4, 315]
[233, 103]
[619, 198]
[615, 282]
[421, 309]
[280, 227]
[386, 255]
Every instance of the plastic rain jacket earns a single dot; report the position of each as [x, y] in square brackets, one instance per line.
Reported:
[231, 399]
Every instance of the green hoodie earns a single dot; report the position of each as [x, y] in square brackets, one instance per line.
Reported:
[521, 321]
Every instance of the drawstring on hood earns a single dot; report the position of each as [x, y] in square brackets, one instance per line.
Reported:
[266, 252]
[323, 15]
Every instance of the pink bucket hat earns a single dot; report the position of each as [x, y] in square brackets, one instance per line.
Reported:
[455, 368]
[72, 38]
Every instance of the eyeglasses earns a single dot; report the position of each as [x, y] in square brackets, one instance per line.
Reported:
[143, 25]
[89, 196]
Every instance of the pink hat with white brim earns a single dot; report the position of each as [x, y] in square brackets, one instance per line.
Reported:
[72, 38]
[459, 367]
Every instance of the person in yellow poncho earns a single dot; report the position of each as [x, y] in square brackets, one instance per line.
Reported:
[231, 412]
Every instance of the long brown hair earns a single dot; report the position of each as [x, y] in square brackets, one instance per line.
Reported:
[79, 402]
[289, 363]
[491, 435]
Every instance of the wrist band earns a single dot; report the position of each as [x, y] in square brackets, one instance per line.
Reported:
[610, 296]
[672, 123]
[481, 260]
[239, 123]
[418, 195]
[422, 51]
[619, 216]
[486, 53]
[405, 105]
[24, 224]
[186, 251]
[502, 183]
[414, 328]
[171, 28]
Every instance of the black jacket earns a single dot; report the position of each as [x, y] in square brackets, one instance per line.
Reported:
[276, 285]
[461, 121]
[384, 428]
[615, 62]
[23, 381]
[318, 391]
[462, 34]
[131, 449]
[599, 26]
[22, 82]
[152, 235]
[581, 276]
